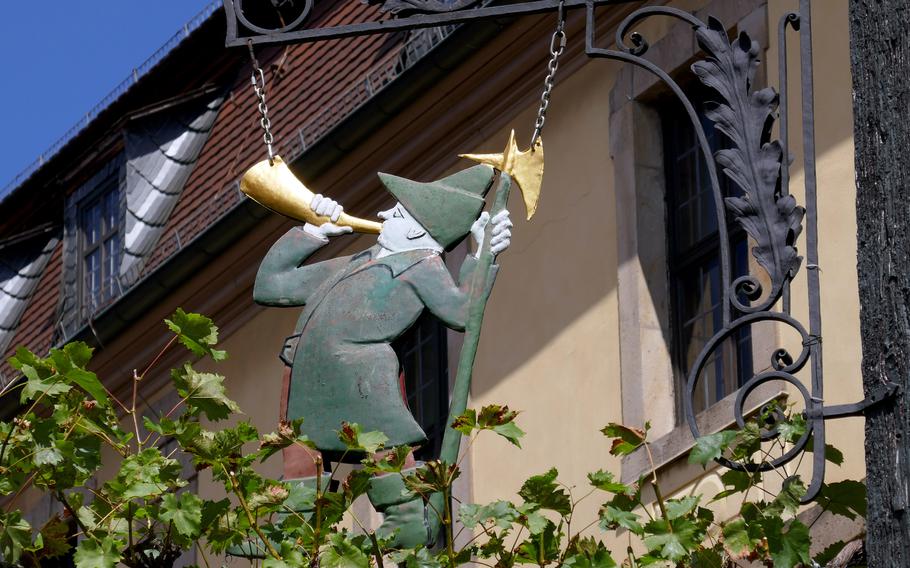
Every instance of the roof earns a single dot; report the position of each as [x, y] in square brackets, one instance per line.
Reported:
[188, 129]
[115, 93]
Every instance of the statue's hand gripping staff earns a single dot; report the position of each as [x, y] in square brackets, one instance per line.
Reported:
[525, 169]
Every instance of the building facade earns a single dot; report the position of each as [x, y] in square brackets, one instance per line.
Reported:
[601, 304]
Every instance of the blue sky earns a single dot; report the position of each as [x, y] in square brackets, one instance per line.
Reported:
[60, 57]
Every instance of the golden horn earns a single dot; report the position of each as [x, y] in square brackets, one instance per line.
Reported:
[275, 187]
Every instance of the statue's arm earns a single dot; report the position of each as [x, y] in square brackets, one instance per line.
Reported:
[282, 279]
[447, 300]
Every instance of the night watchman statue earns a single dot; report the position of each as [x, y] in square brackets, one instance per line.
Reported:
[340, 364]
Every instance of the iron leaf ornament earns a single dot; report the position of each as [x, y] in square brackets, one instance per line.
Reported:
[769, 216]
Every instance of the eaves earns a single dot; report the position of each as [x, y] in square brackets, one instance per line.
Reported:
[237, 222]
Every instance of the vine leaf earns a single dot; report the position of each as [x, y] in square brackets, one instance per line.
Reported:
[745, 117]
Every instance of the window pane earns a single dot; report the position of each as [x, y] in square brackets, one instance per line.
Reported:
[111, 210]
[99, 220]
[92, 280]
[694, 258]
[92, 224]
[111, 264]
[422, 355]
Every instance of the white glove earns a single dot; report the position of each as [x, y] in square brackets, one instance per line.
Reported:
[326, 207]
[501, 234]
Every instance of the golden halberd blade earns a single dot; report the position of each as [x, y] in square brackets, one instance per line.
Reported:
[525, 169]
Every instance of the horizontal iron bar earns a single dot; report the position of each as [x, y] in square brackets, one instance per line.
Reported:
[877, 396]
[408, 23]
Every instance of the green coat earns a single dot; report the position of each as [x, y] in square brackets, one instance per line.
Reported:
[344, 368]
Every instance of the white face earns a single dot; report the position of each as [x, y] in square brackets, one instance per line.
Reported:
[400, 231]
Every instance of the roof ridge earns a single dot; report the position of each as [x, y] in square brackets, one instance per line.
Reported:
[112, 96]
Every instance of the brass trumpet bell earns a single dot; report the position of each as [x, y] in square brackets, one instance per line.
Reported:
[275, 187]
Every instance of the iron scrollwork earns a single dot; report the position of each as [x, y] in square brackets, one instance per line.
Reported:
[406, 7]
[402, 15]
[766, 211]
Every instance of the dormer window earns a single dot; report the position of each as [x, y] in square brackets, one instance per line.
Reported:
[100, 246]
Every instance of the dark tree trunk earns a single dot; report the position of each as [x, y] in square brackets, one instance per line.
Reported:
[880, 60]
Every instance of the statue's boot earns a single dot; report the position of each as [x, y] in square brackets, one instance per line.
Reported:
[404, 512]
[300, 502]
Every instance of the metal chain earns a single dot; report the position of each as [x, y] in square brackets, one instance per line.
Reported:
[257, 79]
[557, 47]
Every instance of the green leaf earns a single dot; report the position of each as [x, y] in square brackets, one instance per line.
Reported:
[735, 482]
[420, 558]
[680, 507]
[391, 462]
[197, 332]
[788, 500]
[353, 436]
[543, 491]
[35, 385]
[184, 511]
[793, 428]
[845, 498]
[787, 548]
[15, 536]
[741, 538]
[146, 474]
[605, 481]
[502, 513]
[432, 477]
[542, 548]
[54, 536]
[356, 484]
[534, 521]
[500, 420]
[672, 541]
[600, 559]
[466, 422]
[510, 431]
[204, 392]
[47, 456]
[710, 447]
[92, 554]
[212, 511]
[625, 439]
[828, 554]
[611, 517]
[70, 363]
[707, 558]
[340, 552]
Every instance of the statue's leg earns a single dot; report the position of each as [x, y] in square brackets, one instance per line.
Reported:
[298, 503]
[300, 468]
[299, 461]
[405, 515]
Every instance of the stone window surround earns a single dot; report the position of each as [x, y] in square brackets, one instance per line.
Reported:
[637, 150]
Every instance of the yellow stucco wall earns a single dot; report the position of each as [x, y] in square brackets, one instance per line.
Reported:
[551, 337]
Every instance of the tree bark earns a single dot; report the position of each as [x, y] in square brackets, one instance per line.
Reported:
[880, 61]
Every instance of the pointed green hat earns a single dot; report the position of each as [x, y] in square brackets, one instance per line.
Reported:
[448, 207]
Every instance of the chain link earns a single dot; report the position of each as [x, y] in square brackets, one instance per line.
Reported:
[557, 47]
[257, 79]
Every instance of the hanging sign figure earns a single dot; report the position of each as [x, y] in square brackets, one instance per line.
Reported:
[340, 366]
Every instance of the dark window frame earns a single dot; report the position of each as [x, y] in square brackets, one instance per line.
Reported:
[702, 254]
[426, 382]
[106, 196]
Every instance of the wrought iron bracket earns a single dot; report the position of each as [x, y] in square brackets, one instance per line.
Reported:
[758, 165]
[880, 394]
[404, 15]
